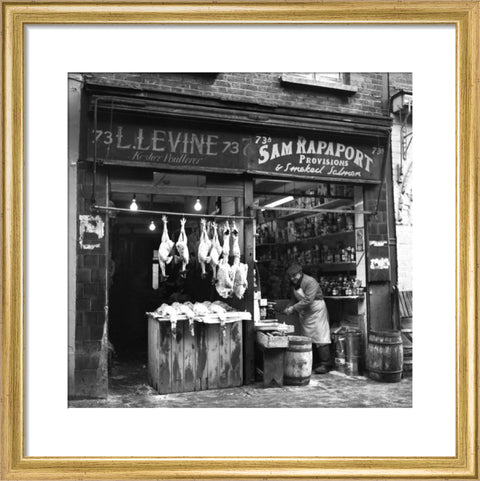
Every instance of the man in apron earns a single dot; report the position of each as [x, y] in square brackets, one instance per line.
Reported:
[312, 314]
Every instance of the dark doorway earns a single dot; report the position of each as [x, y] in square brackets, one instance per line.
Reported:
[131, 294]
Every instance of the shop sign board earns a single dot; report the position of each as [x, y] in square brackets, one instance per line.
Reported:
[307, 156]
[146, 143]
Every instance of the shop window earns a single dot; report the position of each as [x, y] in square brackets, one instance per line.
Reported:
[308, 223]
[337, 82]
[319, 226]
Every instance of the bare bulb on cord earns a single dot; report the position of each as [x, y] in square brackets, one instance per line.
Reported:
[198, 205]
[133, 205]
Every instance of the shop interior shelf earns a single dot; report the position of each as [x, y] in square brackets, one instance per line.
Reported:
[327, 267]
[344, 297]
[331, 235]
[338, 203]
[335, 266]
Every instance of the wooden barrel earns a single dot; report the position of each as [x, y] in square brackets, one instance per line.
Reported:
[385, 356]
[407, 339]
[298, 361]
[407, 361]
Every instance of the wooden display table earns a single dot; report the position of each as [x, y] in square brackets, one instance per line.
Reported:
[210, 358]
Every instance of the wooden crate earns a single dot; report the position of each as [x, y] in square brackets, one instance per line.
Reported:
[269, 341]
[210, 359]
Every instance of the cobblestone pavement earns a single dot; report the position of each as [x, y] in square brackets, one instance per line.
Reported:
[129, 389]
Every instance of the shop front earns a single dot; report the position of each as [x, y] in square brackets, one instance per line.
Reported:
[203, 206]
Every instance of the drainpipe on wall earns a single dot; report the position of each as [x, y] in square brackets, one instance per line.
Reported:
[75, 86]
[386, 94]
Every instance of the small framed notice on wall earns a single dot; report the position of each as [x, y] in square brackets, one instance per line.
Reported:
[360, 240]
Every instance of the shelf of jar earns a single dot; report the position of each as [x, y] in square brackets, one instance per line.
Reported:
[325, 267]
[344, 297]
[334, 266]
[330, 235]
[339, 203]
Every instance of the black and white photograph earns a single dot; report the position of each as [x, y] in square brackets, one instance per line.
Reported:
[210, 243]
[240, 240]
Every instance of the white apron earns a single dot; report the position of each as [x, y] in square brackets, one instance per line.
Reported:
[314, 322]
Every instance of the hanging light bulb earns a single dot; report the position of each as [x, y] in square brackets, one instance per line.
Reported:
[198, 205]
[152, 226]
[133, 205]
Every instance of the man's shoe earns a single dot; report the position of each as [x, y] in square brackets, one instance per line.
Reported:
[321, 369]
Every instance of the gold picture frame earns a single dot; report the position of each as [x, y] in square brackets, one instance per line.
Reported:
[464, 15]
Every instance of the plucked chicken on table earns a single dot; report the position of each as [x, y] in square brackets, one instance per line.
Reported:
[169, 312]
[200, 309]
[186, 310]
[219, 311]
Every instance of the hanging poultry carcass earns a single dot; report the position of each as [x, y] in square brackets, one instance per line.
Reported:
[165, 250]
[215, 240]
[204, 247]
[240, 282]
[226, 242]
[182, 248]
[235, 252]
[224, 284]
[215, 251]
[235, 245]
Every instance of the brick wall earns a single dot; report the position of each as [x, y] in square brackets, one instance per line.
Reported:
[259, 88]
[405, 257]
[91, 328]
[400, 81]
[402, 186]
